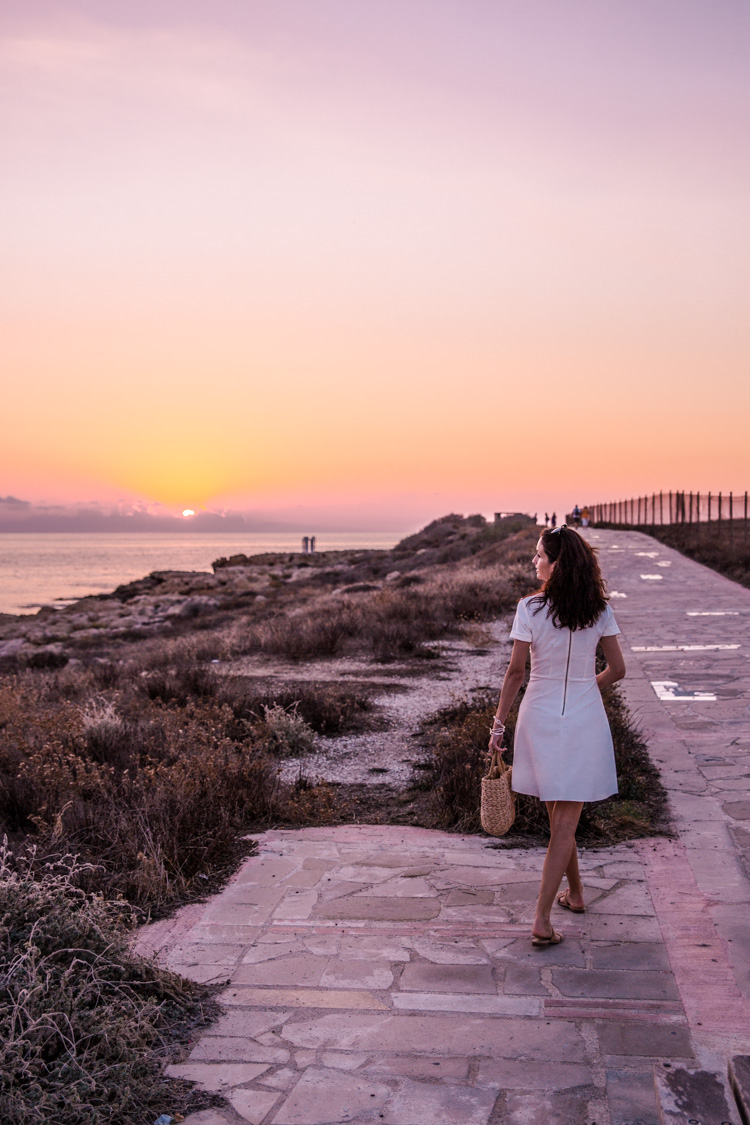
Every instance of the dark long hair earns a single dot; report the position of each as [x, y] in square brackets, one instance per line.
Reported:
[574, 593]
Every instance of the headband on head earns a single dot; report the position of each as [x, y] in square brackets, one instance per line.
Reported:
[556, 529]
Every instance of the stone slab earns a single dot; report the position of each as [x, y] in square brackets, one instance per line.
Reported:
[303, 969]
[438, 1034]
[361, 973]
[439, 1105]
[524, 980]
[252, 1105]
[217, 1076]
[380, 909]
[449, 952]
[533, 1107]
[636, 985]
[616, 927]
[300, 998]
[208, 932]
[632, 899]
[330, 1097]
[513, 1074]
[414, 1066]
[631, 1098]
[630, 956]
[249, 1025]
[453, 1002]
[650, 1039]
[419, 977]
[231, 1048]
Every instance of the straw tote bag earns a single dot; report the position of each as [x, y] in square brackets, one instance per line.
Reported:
[498, 809]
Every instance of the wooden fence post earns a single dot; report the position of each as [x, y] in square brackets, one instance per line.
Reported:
[709, 507]
[661, 509]
[731, 521]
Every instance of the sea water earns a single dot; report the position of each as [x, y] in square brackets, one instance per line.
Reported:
[53, 568]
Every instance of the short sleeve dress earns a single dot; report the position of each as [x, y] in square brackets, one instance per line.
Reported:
[563, 745]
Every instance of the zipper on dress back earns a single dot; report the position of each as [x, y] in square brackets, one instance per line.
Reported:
[567, 668]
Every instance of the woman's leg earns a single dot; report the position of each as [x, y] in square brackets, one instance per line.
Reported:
[572, 874]
[564, 817]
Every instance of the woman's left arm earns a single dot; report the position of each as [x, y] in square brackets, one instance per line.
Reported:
[514, 677]
[615, 669]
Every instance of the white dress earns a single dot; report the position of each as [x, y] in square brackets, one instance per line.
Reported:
[563, 745]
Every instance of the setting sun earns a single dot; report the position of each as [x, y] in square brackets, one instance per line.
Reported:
[188, 512]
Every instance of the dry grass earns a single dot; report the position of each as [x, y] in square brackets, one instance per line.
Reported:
[85, 1027]
[389, 623]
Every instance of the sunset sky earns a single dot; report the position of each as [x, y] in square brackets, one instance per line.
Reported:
[386, 258]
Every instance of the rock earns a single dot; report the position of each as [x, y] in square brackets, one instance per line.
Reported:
[47, 656]
[392, 575]
[13, 647]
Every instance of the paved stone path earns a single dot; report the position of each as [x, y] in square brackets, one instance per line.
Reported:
[385, 974]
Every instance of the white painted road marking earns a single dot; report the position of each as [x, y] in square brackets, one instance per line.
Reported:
[713, 612]
[653, 577]
[670, 690]
[617, 594]
[677, 648]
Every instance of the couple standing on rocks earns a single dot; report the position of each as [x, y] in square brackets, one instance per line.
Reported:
[563, 751]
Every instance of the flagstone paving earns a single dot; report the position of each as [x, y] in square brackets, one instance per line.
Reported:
[385, 974]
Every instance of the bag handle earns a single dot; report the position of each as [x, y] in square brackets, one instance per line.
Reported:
[497, 766]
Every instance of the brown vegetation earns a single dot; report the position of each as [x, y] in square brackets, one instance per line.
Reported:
[85, 1027]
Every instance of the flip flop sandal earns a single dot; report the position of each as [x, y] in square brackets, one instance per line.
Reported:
[543, 942]
[562, 900]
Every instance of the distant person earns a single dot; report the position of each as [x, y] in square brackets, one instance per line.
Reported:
[563, 745]
[546, 519]
[553, 520]
[584, 517]
[576, 515]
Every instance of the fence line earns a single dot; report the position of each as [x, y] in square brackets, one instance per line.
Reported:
[666, 508]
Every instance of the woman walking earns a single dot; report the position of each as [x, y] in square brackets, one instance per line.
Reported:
[563, 750]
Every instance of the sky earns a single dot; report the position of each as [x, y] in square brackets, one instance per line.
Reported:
[375, 260]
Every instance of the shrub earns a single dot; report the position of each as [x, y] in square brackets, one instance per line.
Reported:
[329, 708]
[286, 733]
[154, 803]
[85, 1027]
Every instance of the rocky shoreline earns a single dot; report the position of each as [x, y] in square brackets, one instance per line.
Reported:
[173, 603]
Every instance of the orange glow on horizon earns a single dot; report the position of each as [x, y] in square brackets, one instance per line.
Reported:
[258, 262]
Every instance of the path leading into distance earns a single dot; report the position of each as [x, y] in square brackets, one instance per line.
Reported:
[385, 974]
